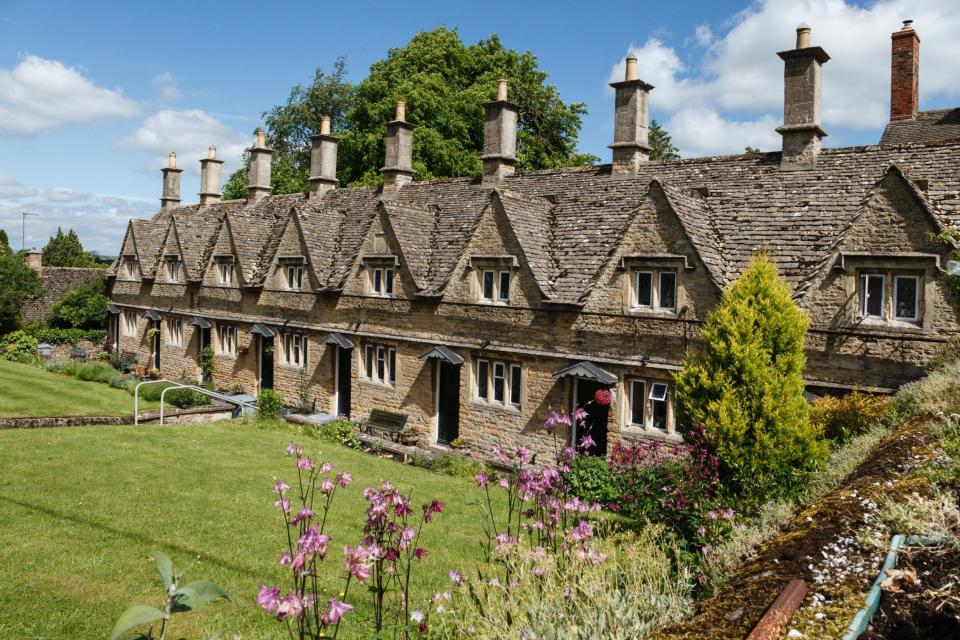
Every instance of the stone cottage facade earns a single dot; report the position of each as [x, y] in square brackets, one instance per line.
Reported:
[476, 306]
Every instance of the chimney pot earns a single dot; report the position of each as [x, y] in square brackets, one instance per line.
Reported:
[211, 152]
[801, 130]
[631, 70]
[499, 136]
[259, 173]
[398, 166]
[904, 73]
[171, 182]
[323, 160]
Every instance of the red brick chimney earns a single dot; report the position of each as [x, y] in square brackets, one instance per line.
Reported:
[904, 73]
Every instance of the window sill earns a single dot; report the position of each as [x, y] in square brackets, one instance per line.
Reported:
[232, 356]
[494, 303]
[510, 409]
[653, 313]
[292, 367]
[635, 432]
[363, 382]
[897, 325]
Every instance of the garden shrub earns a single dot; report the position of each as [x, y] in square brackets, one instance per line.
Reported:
[746, 386]
[842, 418]
[95, 372]
[186, 398]
[17, 346]
[81, 307]
[454, 464]
[340, 432]
[946, 355]
[591, 479]
[269, 404]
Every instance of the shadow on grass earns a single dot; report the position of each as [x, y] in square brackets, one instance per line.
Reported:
[134, 537]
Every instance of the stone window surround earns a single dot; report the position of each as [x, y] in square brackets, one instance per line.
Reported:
[174, 331]
[295, 352]
[388, 267]
[173, 268]
[293, 272]
[509, 366]
[227, 340]
[373, 351]
[226, 277]
[130, 321]
[647, 429]
[498, 265]
[924, 266]
[129, 267]
[654, 264]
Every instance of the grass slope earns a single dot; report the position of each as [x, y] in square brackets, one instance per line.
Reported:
[32, 391]
[82, 509]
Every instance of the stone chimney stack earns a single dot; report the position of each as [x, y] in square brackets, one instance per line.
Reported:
[35, 260]
[904, 73]
[630, 146]
[499, 136]
[323, 161]
[801, 103]
[398, 168]
[210, 169]
[171, 182]
[259, 175]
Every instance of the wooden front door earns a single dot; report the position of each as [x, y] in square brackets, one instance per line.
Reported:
[266, 362]
[448, 402]
[344, 366]
[595, 424]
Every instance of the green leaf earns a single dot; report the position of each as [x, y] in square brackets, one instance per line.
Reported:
[194, 595]
[165, 568]
[133, 617]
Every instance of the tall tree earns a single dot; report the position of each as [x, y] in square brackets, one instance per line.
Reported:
[746, 387]
[4, 242]
[661, 143]
[17, 283]
[443, 83]
[65, 250]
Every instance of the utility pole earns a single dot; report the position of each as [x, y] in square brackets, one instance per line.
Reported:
[23, 228]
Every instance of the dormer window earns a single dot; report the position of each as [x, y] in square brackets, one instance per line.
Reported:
[130, 266]
[495, 286]
[654, 290]
[173, 268]
[381, 281]
[225, 273]
[295, 277]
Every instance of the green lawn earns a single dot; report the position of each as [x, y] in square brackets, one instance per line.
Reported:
[83, 507]
[32, 391]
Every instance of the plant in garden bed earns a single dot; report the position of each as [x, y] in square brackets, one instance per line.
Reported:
[179, 598]
[384, 559]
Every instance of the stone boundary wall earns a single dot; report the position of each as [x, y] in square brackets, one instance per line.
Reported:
[55, 281]
[174, 416]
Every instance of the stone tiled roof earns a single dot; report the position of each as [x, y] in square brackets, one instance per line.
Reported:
[928, 126]
[568, 222]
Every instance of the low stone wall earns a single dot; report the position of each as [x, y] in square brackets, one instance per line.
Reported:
[42, 422]
[212, 413]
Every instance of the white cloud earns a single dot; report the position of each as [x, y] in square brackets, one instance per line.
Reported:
[39, 95]
[10, 189]
[99, 220]
[735, 86]
[168, 89]
[188, 133]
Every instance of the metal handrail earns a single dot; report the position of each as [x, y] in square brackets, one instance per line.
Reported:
[177, 385]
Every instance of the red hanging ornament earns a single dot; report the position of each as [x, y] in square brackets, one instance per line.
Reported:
[602, 397]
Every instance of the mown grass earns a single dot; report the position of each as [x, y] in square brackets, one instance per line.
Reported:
[32, 391]
[83, 508]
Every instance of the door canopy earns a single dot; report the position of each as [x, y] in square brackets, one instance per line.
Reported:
[339, 340]
[444, 354]
[262, 330]
[587, 369]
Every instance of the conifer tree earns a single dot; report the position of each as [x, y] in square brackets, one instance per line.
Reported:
[746, 386]
[65, 250]
[4, 243]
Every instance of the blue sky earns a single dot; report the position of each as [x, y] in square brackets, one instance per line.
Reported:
[93, 95]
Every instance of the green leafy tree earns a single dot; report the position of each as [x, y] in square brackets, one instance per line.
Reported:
[661, 143]
[443, 81]
[65, 250]
[81, 307]
[4, 243]
[17, 283]
[746, 387]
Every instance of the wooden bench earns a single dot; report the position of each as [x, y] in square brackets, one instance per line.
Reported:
[387, 422]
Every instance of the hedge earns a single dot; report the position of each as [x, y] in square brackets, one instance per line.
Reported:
[54, 335]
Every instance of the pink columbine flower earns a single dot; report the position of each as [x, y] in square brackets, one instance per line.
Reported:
[294, 449]
[501, 454]
[727, 514]
[435, 506]
[523, 455]
[304, 464]
[291, 606]
[314, 542]
[503, 483]
[268, 598]
[455, 577]
[285, 559]
[580, 414]
[343, 479]
[326, 467]
[280, 487]
[283, 504]
[337, 610]
[420, 553]
[586, 442]
[304, 514]
[326, 486]
[713, 515]
[482, 480]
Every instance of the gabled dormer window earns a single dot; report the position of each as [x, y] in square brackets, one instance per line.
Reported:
[294, 277]
[495, 286]
[130, 267]
[173, 266]
[225, 271]
[381, 281]
[655, 290]
[890, 296]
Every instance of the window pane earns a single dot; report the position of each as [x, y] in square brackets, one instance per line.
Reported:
[637, 401]
[377, 280]
[874, 303]
[906, 297]
[644, 289]
[668, 290]
[483, 378]
[369, 359]
[498, 395]
[488, 285]
[393, 365]
[381, 364]
[303, 347]
[659, 411]
[504, 293]
[515, 385]
[286, 347]
[389, 280]
[658, 391]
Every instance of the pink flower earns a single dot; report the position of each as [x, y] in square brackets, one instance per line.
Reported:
[280, 487]
[501, 454]
[294, 449]
[283, 504]
[503, 483]
[337, 610]
[420, 553]
[727, 514]
[579, 414]
[326, 467]
[343, 479]
[285, 559]
[523, 455]
[291, 606]
[356, 562]
[455, 577]
[482, 480]
[326, 486]
[435, 506]
[268, 598]
[586, 442]
[304, 464]
[314, 542]
[713, 515]
[303, 514]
